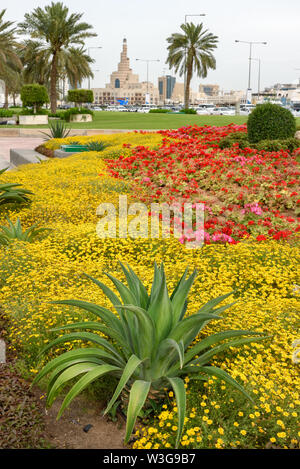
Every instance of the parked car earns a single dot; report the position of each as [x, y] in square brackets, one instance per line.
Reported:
[203, 111]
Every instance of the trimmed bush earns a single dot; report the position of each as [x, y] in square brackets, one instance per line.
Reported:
[159, 111]
[6, 113]
[236, 137]
[75, 110]
[34, 96]
[189, 111]
[80, 96]
[289, 144]
[270, 122]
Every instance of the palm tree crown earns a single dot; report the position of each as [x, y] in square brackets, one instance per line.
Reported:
[191, 52]
[58, 30]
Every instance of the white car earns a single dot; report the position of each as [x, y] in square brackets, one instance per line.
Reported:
[296, 112]
[203, 111]
[144, 110]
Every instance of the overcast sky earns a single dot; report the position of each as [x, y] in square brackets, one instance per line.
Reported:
[147, 23]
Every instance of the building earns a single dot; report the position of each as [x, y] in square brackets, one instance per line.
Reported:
[209, 90]
[124, 86]
[165, 87]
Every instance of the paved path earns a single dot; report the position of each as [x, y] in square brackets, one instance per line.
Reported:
[6, 143]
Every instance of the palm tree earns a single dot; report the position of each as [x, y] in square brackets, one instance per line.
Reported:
[9, 60]
[75, 65]
[56, 30]
[191, 52]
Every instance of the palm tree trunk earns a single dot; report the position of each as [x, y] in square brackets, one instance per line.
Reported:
[53, 83]
[187, 88]
[6, 97]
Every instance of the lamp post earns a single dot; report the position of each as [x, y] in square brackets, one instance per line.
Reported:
[184, 79]
[259, 71]
[147, 61]
[250, 59]
[89, 48]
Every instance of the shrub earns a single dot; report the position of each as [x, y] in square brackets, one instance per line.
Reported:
[150, 346]
[289, 144]
[34, 96]
[159, 111]
[189, 111]
[236, 137]
[75, 110]
[80, 96]
[30, 112]
[6, 113]
[270, 122]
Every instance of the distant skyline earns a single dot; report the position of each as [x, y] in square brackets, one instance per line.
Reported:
[146, 25]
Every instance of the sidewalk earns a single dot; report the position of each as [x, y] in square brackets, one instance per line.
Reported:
[26, 143]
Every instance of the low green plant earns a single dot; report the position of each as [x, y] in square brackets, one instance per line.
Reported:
[235, 137]
[14, 232]
[11, 193]
[270, 122]
[57, 129]
[6, 113]
[97, 146]
[189, 111]
[288, 144]
[150, 347]
[75, 110]
[159, 111]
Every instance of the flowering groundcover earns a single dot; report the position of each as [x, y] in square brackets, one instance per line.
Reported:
[262, 269]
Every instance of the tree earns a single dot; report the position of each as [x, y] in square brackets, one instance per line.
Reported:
[80, 96]
[9, 60]
[191, 52]
[56, 30]
[34, 96]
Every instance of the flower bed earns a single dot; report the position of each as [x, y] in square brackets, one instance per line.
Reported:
[263, 275]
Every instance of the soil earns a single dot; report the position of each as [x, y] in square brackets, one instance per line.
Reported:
[45, 151]
[82, 426]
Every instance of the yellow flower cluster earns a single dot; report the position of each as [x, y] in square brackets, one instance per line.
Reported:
[263, 276]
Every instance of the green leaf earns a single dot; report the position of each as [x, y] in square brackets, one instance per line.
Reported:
[85, 353]
[179, 298]
[221, 374]
[138, 395]
[83, 382]
[180, 395]
[129, 369]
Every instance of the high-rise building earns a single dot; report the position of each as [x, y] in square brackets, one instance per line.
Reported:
[165, 87]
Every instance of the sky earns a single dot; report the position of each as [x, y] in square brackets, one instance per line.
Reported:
[146, 25]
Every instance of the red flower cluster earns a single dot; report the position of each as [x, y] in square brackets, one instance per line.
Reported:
[245, 192]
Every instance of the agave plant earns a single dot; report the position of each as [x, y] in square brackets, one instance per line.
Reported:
[97, 146]
[14, 231]
[13, 193]
[150, 348]
[58, 129]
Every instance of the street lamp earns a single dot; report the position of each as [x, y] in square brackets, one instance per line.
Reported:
[89, 48]
[184, 80]
[147, 61]
[250, 59]
[258, 86]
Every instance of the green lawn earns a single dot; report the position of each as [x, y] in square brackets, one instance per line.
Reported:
[135, 120]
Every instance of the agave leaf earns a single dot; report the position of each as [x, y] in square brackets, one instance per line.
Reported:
[138, 395]
[180, 395]
[70, 373]
[212, 340]
[221, 374]
[106, 290]
[65, 357]
[87, 336]
[144, 297]
[97, 327]
[210, 305]
[127, 296]
[160, 309]
[179, 298]
[203, 359]
[105, 314]
[146, 334]
[131, 366]
[64, 366]
[83, 382]
[190, 327]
